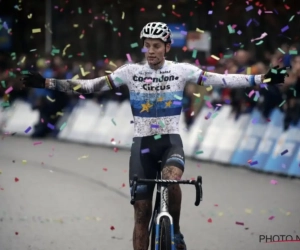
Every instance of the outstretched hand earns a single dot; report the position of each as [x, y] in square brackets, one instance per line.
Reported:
[276, 75]
[33, 80]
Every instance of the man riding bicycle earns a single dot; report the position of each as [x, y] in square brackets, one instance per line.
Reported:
[156, 90]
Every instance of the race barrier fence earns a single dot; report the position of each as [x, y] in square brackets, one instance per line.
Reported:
[250, 141]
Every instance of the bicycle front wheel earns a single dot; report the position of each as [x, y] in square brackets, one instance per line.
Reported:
[165, 242]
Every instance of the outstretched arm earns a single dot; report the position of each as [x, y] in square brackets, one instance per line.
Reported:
[81, 86]
[195, 75]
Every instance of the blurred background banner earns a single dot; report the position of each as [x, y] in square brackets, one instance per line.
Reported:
[253, 127]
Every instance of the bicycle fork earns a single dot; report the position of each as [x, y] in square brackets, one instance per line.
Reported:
[164, 211]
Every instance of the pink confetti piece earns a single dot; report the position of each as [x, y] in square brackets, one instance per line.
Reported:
[208, 104]
[239, 223]
[259, 12]
[128, 57]
[37, 143]
[251, 93]
[42, 120]
[233, 26]
[268, 11]
[197, 62]
[271, 217]
[148, 81]
[221, 22]
[273, 182]
[263, 35]
[81, 97]
[10, 89]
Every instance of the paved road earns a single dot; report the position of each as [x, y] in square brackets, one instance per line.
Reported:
[69, 196]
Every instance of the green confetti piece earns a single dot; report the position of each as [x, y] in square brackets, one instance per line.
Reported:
[23, 72]
[3, 84]
[111, 22]
[163, 14]
[293, 52]
[32, 50]
[274, 71]
[156, 137]
[199, 152]
[12, 74]
[79, 10]
[161, 124]
[112, 120]
[5, 104]
[292, 17]
[281, 50]
[134, 45]
[115, 29]
[230, 29]
[260, 42]
[206, 98]
[194, 55]
[119, 80]
[63, 126]
[256, 98]
[70, 56]
[283, 71]
[214, 115]
[131, 28]
[55, 51]
[200, 137]
[178, 97]
[227, 56]
[281, 103]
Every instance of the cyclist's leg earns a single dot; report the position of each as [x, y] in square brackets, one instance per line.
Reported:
[173, 168]
[142, 166]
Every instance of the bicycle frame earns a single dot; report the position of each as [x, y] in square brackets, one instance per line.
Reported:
[161, 203]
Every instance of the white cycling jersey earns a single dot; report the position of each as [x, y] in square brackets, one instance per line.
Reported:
[156, 95]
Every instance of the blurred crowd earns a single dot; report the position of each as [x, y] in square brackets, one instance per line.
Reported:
[50, 103]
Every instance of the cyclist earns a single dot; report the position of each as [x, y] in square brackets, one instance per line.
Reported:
[156, 89]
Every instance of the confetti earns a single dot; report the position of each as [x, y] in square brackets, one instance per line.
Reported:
[146, 150]
[128, 57]
[239, 223]
[253, 163]
[77, 87]
[51, 100]
[209, 88]
[63, 126]
[284, 152]
[37, 143]
[194, 55]
[199, 152]
[248, 211]
[282, 103]
[215, 57]
[27, 130]
[16, 179]
[36, 30]
[81, 97]
[273, 182]
[112, 228]
[8, 90]
[112, 120]
[154, 126]
[249, 8]
[134, 45]
[284, 28]
[156, 137]
[49, 125]
[209, 220]
[208, 116]
[271, 217]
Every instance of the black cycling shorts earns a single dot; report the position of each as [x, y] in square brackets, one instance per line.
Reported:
[150, 155]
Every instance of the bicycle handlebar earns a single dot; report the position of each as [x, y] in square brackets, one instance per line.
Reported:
[197, 183]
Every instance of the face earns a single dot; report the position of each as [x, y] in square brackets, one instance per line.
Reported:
[156, 50]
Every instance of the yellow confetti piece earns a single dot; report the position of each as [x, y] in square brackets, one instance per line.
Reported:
[83, 157]
[215, 57]
[36, 30]
[198, 30]
[64, 51]
[112, 64]
[82, 72]
[108, 71]
[81, 36]
[248, 70]
[0, 172]
[59, 113]
[220, 214]
[51, 100]
[77, 87]
[123, 15]
[267, 80]
[29, 16]
[159, 6]
[23, 59]
[209, 88]
[173, 6]
[75, 25]
[288, 213]
[248, 211]
[197, 94]
[75, 77]
[24, 161]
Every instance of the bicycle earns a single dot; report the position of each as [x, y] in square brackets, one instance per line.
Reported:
[161, 224]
